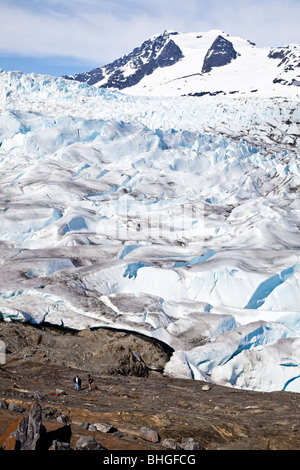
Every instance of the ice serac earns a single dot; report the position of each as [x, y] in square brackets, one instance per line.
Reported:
[174, 217]
[220, 53]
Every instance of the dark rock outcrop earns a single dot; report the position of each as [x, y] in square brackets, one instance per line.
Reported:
[59, 445]
[30, 431]
[127, 362]
[288, 61]
[157, 52]
[171, 444]
[104, 350]
[88, 443]
[220, 53]
[16, 407]
[149, 434]
[188, 443]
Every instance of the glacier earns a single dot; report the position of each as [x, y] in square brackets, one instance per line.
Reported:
[174, 217]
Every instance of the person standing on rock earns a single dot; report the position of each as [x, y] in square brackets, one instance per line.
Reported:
[90, 381]
[77, 381]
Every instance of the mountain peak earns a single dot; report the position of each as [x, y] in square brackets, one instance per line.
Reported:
[157, 52]
[175, 63]
[220, 53]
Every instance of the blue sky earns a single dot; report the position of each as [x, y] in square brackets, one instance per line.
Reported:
[61, 37]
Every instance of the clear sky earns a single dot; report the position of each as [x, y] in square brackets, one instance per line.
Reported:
[62, 37]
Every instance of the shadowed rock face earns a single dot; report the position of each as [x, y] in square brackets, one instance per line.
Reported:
[100, 350]
[220, 53]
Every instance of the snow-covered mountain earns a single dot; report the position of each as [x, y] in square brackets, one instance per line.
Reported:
[176, 63]
[176, 217]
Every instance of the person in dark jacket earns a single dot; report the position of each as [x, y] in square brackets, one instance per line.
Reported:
[90, 381]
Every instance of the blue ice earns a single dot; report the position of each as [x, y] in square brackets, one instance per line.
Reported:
[127, 250]
[195, 259]
[132, 269]
[266, 287]
[76, 224]
[81, 169]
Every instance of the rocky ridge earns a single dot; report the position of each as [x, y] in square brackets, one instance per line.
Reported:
[181, 64]
[220, 53]
[159, 51]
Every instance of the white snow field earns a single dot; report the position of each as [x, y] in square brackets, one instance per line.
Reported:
[175, 217]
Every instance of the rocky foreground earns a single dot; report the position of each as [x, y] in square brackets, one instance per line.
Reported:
[132, 405]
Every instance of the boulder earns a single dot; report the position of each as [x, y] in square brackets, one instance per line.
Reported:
[12, 406]
[149, 434]
[30, 430]
[188, 443]
[84, 425]
[63, 419]
[170, 444]
[49, 412]
[57, 444]
[88, 443]
[104, 427]
[206, 387]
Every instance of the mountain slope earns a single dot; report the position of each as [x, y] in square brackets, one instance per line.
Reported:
[127, 71]
[176, 63]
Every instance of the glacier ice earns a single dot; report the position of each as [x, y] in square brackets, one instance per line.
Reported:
[176, 218]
